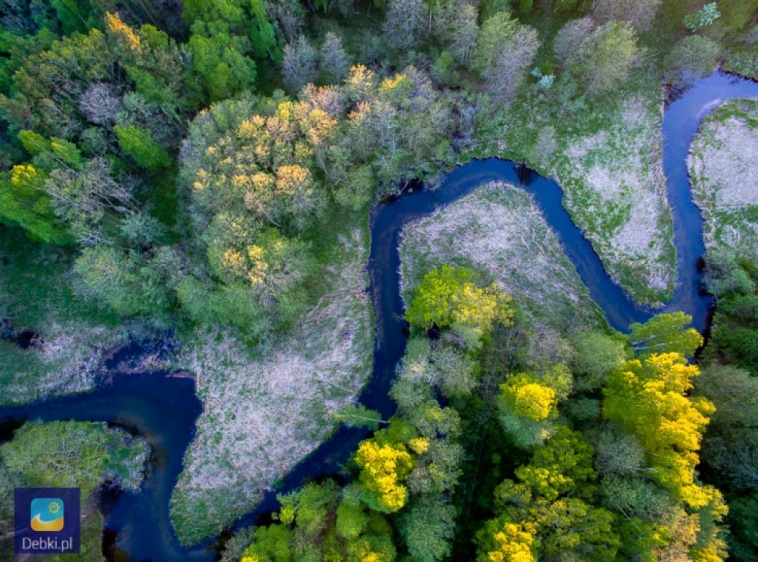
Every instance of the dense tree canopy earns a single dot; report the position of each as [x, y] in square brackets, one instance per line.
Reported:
[647, 398]
[604, 57]
[504, 52]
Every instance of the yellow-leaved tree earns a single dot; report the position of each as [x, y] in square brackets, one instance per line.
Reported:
[448, 297]
[543, 516]
[384, 468]
[648, 398]
[527, 407]
[511, 542]
[529, 398]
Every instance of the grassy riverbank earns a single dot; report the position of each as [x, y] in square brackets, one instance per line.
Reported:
[498, 231]
[724, 172]
[72, 335]
[267, 407]
[607, 157]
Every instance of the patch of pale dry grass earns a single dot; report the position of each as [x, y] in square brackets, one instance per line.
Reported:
[616, 193]
[499, 231]
[723, 168]
[606, 154]
[266, 409]
[66, 362]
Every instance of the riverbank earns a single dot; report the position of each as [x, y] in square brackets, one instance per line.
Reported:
[723, 168]
[268, 407]
[69, 338]
[607, 158]
[498, 231]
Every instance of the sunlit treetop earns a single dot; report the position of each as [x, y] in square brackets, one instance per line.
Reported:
[448, 297]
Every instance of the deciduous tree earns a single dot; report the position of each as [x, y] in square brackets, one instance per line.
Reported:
[640, 13]
[384, 469]
[706, 16]
[502, 541]
[299, 65]
[405, 21]
[24, 201]
[569, 37]
[454, 24]
[731, 445]
[648, 399]
[427, 528]
[596, 356]
[448, 297]
[334, 62]
[140, 146]
[503, 55]
[540, 519]
[604, 58]
[219, 59]
[666, 333]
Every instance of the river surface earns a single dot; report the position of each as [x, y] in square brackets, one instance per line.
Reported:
[163, 407]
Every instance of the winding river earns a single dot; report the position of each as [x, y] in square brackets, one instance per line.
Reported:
[163, 407]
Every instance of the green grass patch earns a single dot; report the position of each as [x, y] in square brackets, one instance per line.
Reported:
[266, 407]
[607, 156]
[742, 61]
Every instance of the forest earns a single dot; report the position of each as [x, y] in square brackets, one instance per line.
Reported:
[204, 171]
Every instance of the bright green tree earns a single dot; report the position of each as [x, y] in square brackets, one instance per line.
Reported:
[448, 297]
[503, 541]
[139, 145]
[666, 333]
[124, 281]
[596, 356]
[25, 202]
[540, 517]
[224, 68]
[46, 89]
[560, 466]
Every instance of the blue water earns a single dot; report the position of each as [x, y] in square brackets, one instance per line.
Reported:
[164, 408]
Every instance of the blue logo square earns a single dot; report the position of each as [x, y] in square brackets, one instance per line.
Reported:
[47, 520]
[47, 514]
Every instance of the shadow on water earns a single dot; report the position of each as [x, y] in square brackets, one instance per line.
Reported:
[163, 407]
